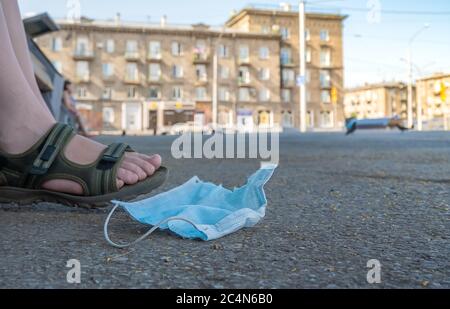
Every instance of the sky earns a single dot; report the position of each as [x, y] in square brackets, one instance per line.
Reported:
[375, 41]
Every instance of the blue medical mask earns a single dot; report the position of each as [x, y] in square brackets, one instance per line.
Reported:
[200, 210]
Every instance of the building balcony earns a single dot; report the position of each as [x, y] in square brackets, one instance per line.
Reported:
[201, 58]
[154, 58]
[287, 63]
[85, 55]
[131, 80]
[288, 83]
[244, 61]
[153, 80]
[201, 81]
[109, 78]
[244, 82]
[325, 86]
[131, 56]
[83, 79]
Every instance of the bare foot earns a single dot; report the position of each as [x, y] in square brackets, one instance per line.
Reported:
[134, 168]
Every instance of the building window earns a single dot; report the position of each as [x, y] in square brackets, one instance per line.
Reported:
[131, 92]
[308, 35]
[224, 94]
[200, 93]
[244, 53]
[200, 71]
[244, 75]
[325, 96]
[131, 48]
[154, 71]
[264, 74]
[287, 75]
[154, 93]
[109, 46]
[244, 94]
[58, 66]
[224, 72]
[132, 73]
[287, 119]
[177, 49]
[308, 76]
[108, 116]
[154, 50]
[264, 95]
[107, 70]
[177, 71]
[265, 29]
[286, 55]
[326, 119]
[81, 92]
[325, 57]
[82, 47]
[325, 78]
[82, 70]
[107, 93]
[324, 35]
[286, 95]
[308, 54]
[285, 33]
[224, 52]
[264, 52]
[177, 93]
[56, 44]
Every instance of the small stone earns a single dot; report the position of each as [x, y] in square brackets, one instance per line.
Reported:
[425, 283]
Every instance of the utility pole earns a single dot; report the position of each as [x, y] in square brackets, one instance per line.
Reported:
[214, 98]
[410, 86]
[302, 65]
[410, 83]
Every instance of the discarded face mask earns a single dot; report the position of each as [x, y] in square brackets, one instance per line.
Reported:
[201, 210]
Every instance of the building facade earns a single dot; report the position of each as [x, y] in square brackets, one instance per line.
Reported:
[144, 78]
[377, 101]
[433, 93]
[324, 57]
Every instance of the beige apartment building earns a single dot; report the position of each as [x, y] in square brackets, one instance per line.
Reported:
[144, 78]
[433, 92]
[324, 57]
[377, 101]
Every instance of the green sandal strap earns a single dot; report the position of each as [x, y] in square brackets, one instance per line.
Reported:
[46, 161]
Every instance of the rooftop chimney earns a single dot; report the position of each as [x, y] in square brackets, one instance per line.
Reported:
[286, 7]
[117, 18]
[163, 21]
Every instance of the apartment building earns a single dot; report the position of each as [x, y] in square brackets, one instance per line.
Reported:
[377, 101]
[324, 57]
[433, 92]
[146, 77]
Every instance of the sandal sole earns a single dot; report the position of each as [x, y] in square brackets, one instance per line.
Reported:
[127, 193]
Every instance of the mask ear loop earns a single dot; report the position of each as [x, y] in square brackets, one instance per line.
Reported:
[154, 228]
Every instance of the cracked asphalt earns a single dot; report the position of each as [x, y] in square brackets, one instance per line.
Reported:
[335, 202]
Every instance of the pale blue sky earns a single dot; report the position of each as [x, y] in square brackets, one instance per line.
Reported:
[373, 51]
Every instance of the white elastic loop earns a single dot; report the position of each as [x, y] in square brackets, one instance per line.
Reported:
[155, 227]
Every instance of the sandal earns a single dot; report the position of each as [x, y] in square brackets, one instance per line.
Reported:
[22, 175]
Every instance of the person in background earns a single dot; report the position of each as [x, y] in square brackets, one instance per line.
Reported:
[71, 104]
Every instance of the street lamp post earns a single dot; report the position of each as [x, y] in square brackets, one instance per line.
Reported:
[410, 84]
[302, 65]
[215, 81]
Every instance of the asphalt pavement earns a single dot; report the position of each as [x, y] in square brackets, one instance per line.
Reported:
[334, 203]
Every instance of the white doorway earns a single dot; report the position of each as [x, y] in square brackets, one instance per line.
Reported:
[132, 116]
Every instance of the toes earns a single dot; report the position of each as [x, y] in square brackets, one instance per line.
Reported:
[147, 167]
[120, 183]
[135, 169]
[127, 176]
[154, 160]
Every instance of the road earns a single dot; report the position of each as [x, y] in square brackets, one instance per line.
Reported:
[335, 202]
